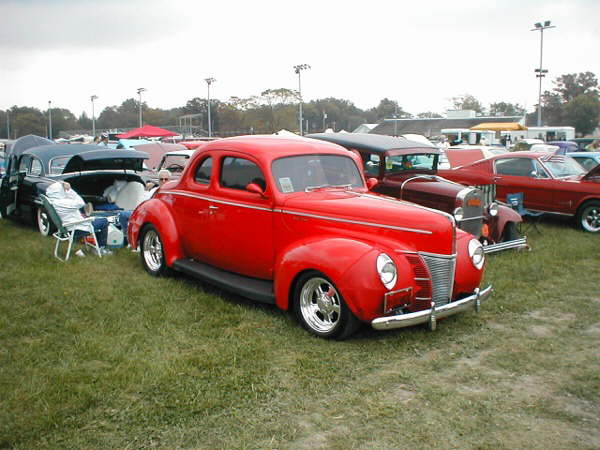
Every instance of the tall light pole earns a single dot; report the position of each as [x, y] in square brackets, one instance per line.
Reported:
[139, 91]
[298, 69]
[541, 73]
[7, 123]
[92, 98]
[50, 119]
[209, 81]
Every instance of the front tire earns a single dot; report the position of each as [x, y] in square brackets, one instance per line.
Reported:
[152, 252]
[43, 222]
[321, 309]
[510, 232]
[588, 216]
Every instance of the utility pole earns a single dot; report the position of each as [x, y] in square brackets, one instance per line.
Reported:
[139, 91]
[541, 73]
[209, 81]
[298, 69]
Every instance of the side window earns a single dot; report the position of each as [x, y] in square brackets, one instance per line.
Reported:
[237, 173]
[203, 171]
[36, 167]
[24, 164]
[540, 171]
[521, 167]
[371, 163]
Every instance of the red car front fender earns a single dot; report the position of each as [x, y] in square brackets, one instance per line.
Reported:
[349, 264]
[156, 213]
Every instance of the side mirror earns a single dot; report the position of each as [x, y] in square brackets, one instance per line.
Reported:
[371, 183]
[255, 188]
[534, 174]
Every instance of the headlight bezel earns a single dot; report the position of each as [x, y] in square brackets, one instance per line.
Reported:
[459, 213]
[493, 209]
[387, 270]
[476, 254]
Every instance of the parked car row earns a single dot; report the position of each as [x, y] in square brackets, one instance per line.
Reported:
[341, 229]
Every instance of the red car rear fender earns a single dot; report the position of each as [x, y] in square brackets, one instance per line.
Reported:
[350, 264]
[156, 213]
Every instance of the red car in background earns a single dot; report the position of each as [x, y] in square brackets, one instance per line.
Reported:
[550, 183]
[290, 221]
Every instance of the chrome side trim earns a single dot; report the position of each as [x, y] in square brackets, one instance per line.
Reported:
[431, 315]
[357, 222]
[519, 244]
[222, 202]
[297, 213]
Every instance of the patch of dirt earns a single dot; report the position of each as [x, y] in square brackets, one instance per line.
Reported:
[546, 315]
[593, 329]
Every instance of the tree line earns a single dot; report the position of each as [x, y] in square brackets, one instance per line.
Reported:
[574, 100]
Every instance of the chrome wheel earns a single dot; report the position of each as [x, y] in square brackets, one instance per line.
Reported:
[590, 218]
[152, 251]
[320, 305]
[43, 222]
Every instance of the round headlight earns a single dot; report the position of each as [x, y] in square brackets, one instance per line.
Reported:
[476, 253]
[387, 270]
[493, 209]
[459, 214]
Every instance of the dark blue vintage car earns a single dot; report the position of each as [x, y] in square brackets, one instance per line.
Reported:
[90, 169]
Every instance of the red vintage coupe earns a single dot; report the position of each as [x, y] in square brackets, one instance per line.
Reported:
[550, 183]
[290, 221]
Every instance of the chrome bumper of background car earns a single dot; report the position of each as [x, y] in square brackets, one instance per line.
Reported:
[431, 315]
[518, 244]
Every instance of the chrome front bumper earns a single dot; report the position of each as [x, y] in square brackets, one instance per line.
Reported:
[518, 244]
[431, 315]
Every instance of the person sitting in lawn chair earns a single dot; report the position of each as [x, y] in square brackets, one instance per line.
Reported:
[67, 204]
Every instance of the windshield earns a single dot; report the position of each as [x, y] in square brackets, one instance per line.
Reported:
[58, 164]
[174, 163]
[308, 172]
[563, 166]
[403, 163]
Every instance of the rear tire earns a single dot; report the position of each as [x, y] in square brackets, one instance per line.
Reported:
[588, 216]
[43, 222]
[321, 309]
[152, 252]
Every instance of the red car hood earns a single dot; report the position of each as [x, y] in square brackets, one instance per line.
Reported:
[420, 228]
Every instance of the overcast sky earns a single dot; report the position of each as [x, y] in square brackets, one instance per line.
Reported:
[420, 53]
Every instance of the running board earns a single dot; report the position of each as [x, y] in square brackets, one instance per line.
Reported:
[254, 288]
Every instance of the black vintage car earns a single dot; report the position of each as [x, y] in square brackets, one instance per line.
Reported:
[407, 170]
[90, 169]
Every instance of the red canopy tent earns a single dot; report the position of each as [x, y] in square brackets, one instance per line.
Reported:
[146, 131]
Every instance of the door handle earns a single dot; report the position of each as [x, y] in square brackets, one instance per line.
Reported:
[497, 179]
[213, 207]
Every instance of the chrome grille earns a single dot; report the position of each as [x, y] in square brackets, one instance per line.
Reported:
[441, 269]
[489, 193]
[472, 212]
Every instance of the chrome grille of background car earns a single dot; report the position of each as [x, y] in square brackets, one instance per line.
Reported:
[472, 206]
[489, 194]
[441, 269]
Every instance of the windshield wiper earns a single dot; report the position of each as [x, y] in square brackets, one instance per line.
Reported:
[312, 188]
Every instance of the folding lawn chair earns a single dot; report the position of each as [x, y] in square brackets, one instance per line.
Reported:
[64, 234]
[516, 202]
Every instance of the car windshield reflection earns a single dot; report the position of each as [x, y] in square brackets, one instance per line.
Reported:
[312, 172]
[563, 167]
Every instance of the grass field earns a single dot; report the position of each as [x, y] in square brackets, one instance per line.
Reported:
[97, 354]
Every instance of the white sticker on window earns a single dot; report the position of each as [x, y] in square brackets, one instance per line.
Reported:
[286, 184]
